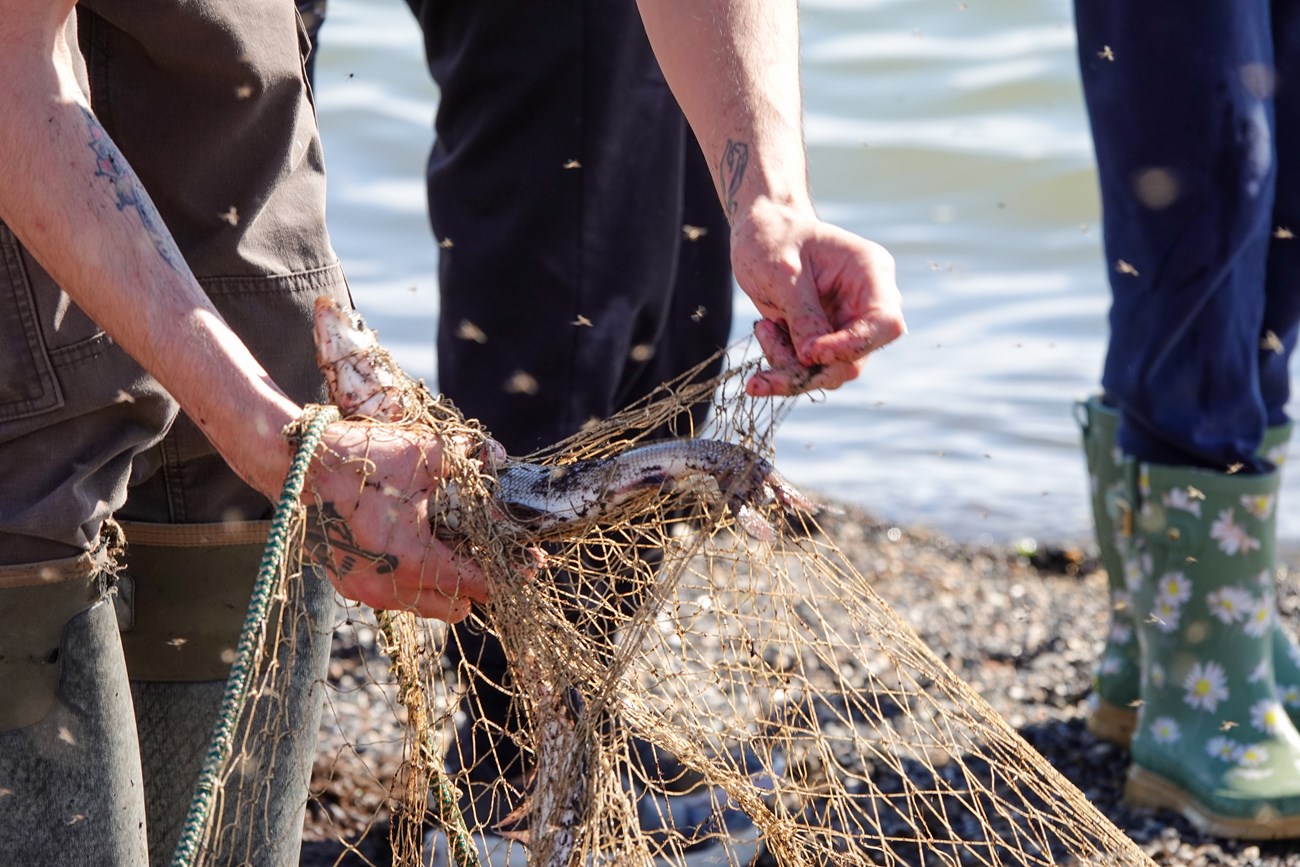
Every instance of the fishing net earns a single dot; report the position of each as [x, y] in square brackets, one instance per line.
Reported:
[660, 655]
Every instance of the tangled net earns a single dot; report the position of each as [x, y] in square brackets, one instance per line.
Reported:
[771, 672]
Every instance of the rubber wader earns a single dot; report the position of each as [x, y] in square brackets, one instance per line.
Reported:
[1213, 740]
[70, 776]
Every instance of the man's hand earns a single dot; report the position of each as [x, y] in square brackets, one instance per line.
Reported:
[827, 297]
[370, 486]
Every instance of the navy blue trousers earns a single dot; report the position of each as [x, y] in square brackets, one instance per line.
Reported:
[1195, 114]
[561, 180]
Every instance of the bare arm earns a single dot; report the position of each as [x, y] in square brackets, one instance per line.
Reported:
[72, 199]
[734, 67]
[70, 196]
[827, 297]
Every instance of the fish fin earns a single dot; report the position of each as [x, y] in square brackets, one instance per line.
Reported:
[753, 523]
[789, 496]
[521, 836]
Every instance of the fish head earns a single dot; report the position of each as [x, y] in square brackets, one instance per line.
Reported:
[362, 378]
[339, 332]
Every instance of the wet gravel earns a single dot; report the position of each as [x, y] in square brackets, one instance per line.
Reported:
[1022, 628]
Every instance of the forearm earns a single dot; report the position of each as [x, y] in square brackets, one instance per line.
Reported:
[734, 67]
[827, 297]
[75, 203]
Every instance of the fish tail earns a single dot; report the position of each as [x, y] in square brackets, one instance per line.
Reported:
[788, 495]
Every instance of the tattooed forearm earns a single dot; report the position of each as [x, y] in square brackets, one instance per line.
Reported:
[731, 172]
[330, 531]
[109, 163]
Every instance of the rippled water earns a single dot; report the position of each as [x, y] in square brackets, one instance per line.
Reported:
[953, 133]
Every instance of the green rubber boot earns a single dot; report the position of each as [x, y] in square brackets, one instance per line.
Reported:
[1213, 740]
[1113, 713]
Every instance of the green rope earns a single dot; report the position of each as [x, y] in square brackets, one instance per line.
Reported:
[453, 823]
[311, 426]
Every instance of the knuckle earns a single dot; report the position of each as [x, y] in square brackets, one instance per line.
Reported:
[887, 328]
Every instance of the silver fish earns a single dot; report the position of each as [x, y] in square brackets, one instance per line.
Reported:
[546, 497]
[364, 380]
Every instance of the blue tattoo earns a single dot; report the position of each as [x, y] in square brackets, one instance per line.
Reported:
[110, 164]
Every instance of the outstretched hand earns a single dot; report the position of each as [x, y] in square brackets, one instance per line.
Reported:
[370, 487]
[828, 298]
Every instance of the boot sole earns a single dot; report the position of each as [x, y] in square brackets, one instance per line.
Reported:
[1148, 789]
[1111, 722]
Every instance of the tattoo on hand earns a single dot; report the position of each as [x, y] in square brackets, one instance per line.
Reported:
[109, 163]
[329, 528]
[732, 171]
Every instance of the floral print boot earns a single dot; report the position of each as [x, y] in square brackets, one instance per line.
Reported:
[1213, 740]
[1113, 714]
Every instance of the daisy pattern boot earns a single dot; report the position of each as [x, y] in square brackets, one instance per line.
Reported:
[1112, 712]
[1213, 740]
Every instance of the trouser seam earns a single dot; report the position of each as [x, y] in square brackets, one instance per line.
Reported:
[173, 480]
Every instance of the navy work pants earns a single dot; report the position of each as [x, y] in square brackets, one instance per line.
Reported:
[584, 255]
[1195, 113]
[560, 181]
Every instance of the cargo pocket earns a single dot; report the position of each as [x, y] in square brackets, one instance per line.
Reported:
[27, 382]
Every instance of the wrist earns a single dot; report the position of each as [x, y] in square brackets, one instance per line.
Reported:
[770, 208]
[768, 226]
[767, 168]
[298, 433]
[253, 442]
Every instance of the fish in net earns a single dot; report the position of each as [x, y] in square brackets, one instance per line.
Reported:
[697, 608]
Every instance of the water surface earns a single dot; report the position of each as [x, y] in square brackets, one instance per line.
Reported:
[951, 132]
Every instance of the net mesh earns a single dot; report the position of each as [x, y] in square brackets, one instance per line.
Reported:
[677, 686]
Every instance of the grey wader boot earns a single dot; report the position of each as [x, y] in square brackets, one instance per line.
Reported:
[185, 591]
[70, 780]
[1115, 685]
[1213, 740]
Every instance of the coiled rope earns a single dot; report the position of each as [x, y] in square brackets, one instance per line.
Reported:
[308, 429]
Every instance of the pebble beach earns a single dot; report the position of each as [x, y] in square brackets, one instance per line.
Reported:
[1022, 627]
